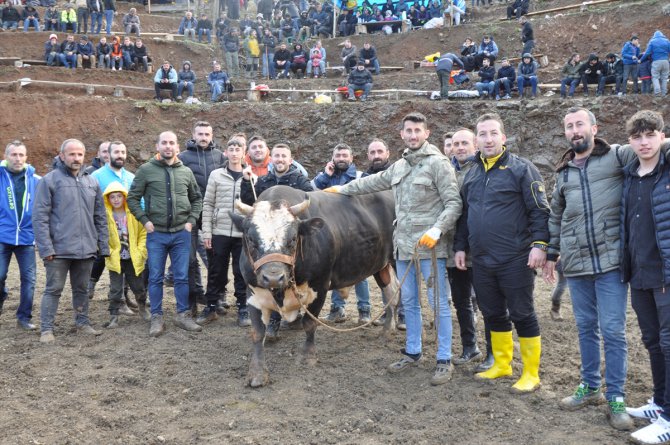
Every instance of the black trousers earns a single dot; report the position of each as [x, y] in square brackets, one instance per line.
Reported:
[195, 288]
[460, 282]
[223, 249]
[166, 86]
[505, 296]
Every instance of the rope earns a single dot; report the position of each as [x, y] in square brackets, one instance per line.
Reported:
[253, 187]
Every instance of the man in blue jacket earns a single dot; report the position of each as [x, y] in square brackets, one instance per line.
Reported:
[166, 79]
[658, 50]
[19, 180]
[630, 54]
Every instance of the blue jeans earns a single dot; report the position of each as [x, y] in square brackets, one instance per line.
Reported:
[68, 61]
[31, 22]
[207, 32]
[599, 305]
[10, 25]
[485, 86]
[353, 87]
[96, 22]
[573, 85]
[362, 295]
[187, 85]
[523, 82]
[57, 271]
[127, 60]
[25, 258]
[412, 306]
[109, 18]
[268, 63]
[159, 246]
[218, 88]
[374, 63]
[322, 67]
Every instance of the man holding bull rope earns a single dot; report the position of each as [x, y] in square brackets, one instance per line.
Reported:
[427, 205]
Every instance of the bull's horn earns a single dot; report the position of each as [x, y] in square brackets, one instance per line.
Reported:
[243, 208]
[299, 208]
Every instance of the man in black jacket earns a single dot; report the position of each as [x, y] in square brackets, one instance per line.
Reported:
[591, 72]
[518, 8]
[612, 74]
[527, 36]
[359, 79]
[368, 55]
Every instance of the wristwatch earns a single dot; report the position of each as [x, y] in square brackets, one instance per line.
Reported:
[543, 247]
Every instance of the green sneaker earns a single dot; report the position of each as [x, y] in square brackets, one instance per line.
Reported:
[617, 415]
[583, 396]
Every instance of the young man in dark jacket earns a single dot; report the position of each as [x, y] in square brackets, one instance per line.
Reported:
[443, 67]
[140, 55]
[527, 36]
[172, 206]
[359, 79]
[282, 61]
[487, 75]
[590, 72]
[527, 75]
[186, 80]
[85, 53]
[612, 74]
[505, 80]
[231, 49]
[368, 54]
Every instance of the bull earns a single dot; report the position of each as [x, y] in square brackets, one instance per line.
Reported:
[297, 246]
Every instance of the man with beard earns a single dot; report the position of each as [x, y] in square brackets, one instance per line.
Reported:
[341, 170]
[70, 225]
[584, 228]
[202, 156]
[284, 172]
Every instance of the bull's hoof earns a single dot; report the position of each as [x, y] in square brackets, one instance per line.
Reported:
[258, 378]
[310, 358]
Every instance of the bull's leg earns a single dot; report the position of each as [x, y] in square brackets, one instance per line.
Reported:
[258, 372]
[388, 282]
[309, 325]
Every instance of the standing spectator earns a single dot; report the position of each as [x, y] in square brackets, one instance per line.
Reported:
[172, 207]
[253, 53]
[131, 22]
[96, 8]
[359, 79]
[368, 55]
[68, 52]
[52, 50]
[110, 11]
[82, 16]
[527, 36]
[104, 53]
[188, 26]
[658, 50]
[612, 74]
[218, 82]
[505, 80]
[268, 44]
[85, 53]
[19, 181]
[68, 19]
[231, 50]
[443, 67]
[630, 54]
[10, 18]
[70, 229]
[644, 74]
[570, 76]
[486, 83]
[166, 79]
[222, 25]
[127, 49]
[204, 28]
[51, 19]
[527, 75]
[140, 55]
[30, 18]
[186, 80]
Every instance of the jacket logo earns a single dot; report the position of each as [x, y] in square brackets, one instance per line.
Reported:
[502, 167]
[10, 197]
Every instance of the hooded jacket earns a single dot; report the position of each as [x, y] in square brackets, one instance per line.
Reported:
[447, 61]
[171, 195]
[426, 195]
[628, 52]
[658, 48]
[69, 217]
[260, 170]
[202, 162]
[17, 229]
[137, 235]
[585, 206]
[592, 76]
[292, 178]
[527, 70]
[186, 75]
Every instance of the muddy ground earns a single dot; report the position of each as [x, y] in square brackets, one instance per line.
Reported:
[125, 387]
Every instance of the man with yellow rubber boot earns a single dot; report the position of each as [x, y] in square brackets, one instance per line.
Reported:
[507, 189]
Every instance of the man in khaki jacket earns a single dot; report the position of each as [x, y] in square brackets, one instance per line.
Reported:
[427, 206]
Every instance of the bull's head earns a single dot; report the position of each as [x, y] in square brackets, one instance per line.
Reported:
[271, 233]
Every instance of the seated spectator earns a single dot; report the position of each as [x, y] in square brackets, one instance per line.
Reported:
[488, 49]
[348, 56]
[68, 52]
[644, 74]
[131, 22]
[325, 28]
[218, 82]
[401, 7]
[104, 53]
[253, 53]
[505, 80]
[304, 27]
[287, 29]
[85, 53]
[246, 24]
[282, 61]
[487, 75]
[368, 55]
[318, 16]
[413, 16]
[377, 14]
[359, 79]
[298, 61]
[321, 58]
[186, 79]
[346, 23]
[527, 75]
[275, 25]
[456, 9]
[51, 19]
[166, 79]
[188, 25]
[590, 72]
[435, 10]
[422, 16]
[518, 8]
[443, 67]
[140, 55]
[612, 74]
[68, 19]
[30, 18]
[116, 55]
[468, 53]
[388, 6]
[10, 18]
[52, 51]
[222, 25]
[570, 76]
[204, 28]
[127, 49]
[366, 16]
[394, 27]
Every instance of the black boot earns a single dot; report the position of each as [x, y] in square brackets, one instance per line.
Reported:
[488, 361]
[469, 353]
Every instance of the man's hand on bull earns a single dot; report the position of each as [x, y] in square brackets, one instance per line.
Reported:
[333, 189]
[249, 175]
[430, 238]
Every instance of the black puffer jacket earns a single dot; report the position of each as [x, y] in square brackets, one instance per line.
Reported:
[359, 77]
[293, 178]
[202, 162]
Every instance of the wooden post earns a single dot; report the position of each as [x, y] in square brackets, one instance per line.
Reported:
[148, 7]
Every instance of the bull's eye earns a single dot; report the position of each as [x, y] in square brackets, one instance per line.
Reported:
[293, 241]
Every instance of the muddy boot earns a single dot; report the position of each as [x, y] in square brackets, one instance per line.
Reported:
[91, 288]
[556, 312]
[144, 311]
[87, 329]
[207, 316]
[221, 306]
[113, 322]
[469, 353]
[185, 321]
[125, 310]
[157, 325]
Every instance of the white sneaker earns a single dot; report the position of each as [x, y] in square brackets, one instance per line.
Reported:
[649, 411]
[656, 433]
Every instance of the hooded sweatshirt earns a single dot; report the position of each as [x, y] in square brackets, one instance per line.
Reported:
[658, 48]
[136, 236]
[186, 74]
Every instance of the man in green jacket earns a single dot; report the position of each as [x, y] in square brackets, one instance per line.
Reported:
[172, 205]
[427, 206]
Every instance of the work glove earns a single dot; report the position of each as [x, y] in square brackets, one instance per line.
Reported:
[333, 189]
[430, 238]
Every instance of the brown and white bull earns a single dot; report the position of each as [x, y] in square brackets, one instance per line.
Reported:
[300, 245]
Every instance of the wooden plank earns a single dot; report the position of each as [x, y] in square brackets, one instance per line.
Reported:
[35, 62]
[9, 60]
[567, 8]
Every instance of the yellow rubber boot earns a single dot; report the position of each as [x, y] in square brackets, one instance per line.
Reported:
[502, 347]
[531, 349]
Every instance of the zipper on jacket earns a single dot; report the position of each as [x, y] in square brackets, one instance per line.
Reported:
[168, 197]
[588, 216]
[16, 215]
[234, 189]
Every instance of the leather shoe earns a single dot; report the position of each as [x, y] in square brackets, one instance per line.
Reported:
[26, 325]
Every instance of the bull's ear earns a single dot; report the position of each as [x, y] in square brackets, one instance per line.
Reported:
[311, 226]
[238, 220]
